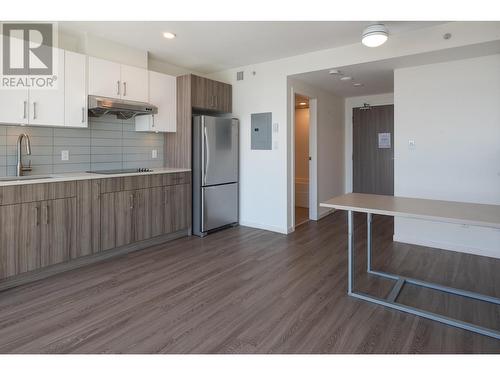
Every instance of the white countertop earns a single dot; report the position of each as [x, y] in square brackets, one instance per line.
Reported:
[485, 215]
[60, 177]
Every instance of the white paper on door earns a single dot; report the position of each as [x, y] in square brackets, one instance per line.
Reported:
[384, 140]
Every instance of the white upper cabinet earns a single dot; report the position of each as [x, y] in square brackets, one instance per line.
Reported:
[162, 93]
[104, 78]
[14, 106]
[134, 83]
[75, 104]
[46, 106]
[113, 80]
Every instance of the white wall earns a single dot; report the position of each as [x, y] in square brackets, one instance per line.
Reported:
[350, 103]
[452, 112]
[267, 91]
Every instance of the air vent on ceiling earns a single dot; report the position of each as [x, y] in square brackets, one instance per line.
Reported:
[239, 76]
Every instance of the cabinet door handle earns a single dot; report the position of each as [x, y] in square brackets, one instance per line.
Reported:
[153, 124]
[34, 110]
[131, 201]
[37, 215]
[47, 214]
[25, 109]
[83, 115]
[124, 88]
[117, 87]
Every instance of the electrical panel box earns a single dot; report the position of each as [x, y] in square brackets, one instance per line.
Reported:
[261, 131]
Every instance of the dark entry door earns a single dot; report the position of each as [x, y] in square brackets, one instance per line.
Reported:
[373, 150]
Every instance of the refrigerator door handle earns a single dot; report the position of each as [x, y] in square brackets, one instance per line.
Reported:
[206, 160]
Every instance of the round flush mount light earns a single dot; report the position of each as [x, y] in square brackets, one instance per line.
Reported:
[335, 72]
[346, 78]
[357, 84]
[169, 35]
[375, 35]
[302, 103]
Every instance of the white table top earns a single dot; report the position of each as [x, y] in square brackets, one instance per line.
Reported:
[483, 215]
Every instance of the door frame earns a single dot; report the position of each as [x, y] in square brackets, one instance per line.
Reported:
[313, 153]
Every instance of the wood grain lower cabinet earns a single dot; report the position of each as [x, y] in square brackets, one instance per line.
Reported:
[43, 225]
[116, 219]
[19, 238]
[177, 208]
[137, 215]
[37, 234]
[58, 231]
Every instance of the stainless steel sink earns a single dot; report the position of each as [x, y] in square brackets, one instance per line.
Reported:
[23, 178]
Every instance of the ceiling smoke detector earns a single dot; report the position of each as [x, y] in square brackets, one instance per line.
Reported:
[375, 35]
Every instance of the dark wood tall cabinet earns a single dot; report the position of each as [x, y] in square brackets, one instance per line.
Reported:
[194, 94]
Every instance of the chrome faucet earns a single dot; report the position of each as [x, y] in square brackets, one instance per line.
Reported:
[20, 167]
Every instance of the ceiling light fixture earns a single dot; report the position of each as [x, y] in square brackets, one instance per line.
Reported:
[335, 72]
[169, 35]
[346, 78]
[375, 35]
[302, 103]
[357, 84]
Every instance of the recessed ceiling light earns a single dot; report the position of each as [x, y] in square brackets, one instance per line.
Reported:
[357, 84]
[334, 72]
[302, 103]
[346, 78]
[169, 35]
[375, 35]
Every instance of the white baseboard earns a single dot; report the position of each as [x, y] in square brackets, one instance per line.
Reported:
[445, 246]
[271, 228]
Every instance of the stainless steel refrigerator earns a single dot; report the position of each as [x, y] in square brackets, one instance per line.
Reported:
[215, 173]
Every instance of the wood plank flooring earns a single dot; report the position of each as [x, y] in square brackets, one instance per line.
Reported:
[246, 290]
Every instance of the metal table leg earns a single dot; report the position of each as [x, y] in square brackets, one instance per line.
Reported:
[390, 301]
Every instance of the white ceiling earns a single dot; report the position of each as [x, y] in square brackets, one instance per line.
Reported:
[210, 46]
[378, 77]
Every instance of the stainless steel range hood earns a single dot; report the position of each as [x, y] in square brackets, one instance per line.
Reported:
[123, 109]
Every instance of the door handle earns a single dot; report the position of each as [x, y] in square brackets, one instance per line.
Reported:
[37, 215]
[25, 109]
[34, 110]
[207, 159]
[131, 201]
[118, 88]
[83, 115]
[47, 214]
[153, 124]
[124, 88]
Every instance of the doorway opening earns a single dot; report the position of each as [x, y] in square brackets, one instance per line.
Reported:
[302, 157]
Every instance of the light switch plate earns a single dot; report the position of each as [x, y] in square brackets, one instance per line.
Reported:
[276, 127]
[154, 154]
[65, 155]
[411, 144]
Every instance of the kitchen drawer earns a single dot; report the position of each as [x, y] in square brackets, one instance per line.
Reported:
[177, 178]
[111, 185]
[36, 192]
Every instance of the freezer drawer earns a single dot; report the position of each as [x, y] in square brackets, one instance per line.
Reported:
[219, 206]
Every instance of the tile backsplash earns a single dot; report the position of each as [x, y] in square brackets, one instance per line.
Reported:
[108, 143]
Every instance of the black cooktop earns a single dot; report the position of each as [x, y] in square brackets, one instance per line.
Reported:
[119, 171]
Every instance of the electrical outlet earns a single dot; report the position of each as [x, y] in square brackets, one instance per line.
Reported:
[65, 155]
[154, 154]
